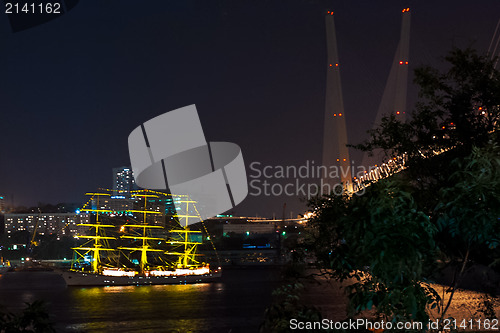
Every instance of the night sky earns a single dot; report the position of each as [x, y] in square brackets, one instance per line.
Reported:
[72, 89]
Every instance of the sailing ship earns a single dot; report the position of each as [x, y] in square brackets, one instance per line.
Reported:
[118, 250]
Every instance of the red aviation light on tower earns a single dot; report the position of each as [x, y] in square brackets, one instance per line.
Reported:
[335, 130]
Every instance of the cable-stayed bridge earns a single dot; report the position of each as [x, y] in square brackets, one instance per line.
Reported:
[393, 101]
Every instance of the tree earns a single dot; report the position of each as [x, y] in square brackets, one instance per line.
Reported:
[385, 243]
[445, 205]
[465, 99]
[34, 318]
[393, 249]
[468, 214]
[457, 107]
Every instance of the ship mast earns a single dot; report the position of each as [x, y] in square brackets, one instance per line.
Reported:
[97, 242]
[145, 247]
[184, 235]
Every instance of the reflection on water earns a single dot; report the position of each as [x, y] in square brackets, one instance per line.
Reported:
[98, 304]
[237, 303]
[329, 296]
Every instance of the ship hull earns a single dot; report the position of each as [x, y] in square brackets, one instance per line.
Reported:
[88, 279]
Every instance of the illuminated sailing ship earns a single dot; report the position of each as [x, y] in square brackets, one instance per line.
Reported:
[132, 253]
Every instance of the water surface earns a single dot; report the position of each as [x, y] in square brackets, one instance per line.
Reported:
[235, 304]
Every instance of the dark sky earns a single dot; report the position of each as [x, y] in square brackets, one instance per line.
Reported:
[72, 89]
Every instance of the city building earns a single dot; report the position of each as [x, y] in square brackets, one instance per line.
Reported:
[2, 204]
[127, 208]
[61, 224]
[123, 181]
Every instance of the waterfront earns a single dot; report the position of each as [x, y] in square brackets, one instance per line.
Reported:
[235, 304]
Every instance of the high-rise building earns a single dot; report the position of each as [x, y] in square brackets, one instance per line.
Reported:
[2, 204]
[131, 207]
[123, 181]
